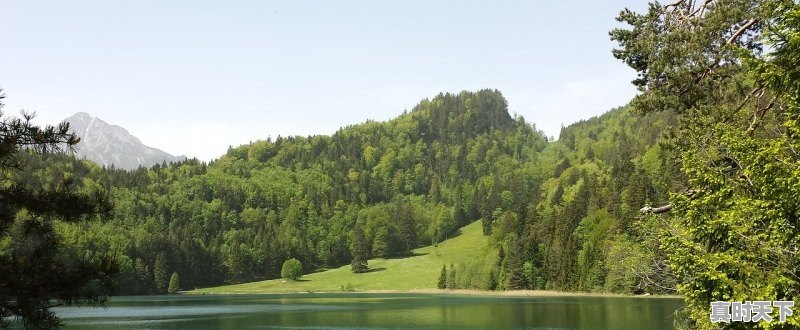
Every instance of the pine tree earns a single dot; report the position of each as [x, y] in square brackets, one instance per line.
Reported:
[497, 275]
[404, 214]
[174, 283]
[160, 271]
[36, 270]
[459, 214]
[359, 251]
[443, 278]
[514, 266]
[491, 280]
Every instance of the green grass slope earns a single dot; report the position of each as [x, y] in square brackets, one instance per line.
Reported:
[419, 271]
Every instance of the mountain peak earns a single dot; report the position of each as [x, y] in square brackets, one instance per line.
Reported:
[81, 115]
[108, 145]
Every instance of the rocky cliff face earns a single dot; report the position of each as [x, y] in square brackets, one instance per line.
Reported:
[109, 145]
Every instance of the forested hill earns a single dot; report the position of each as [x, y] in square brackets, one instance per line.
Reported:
[562, 215]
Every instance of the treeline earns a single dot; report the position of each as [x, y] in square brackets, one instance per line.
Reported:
[562, 215]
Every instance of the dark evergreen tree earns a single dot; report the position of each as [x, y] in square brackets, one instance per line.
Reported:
[161, 273]
[359, 250]
[491, 280]
[514, 266]
[459, 213]
[404, 213]
[443, 278]
[37, 270]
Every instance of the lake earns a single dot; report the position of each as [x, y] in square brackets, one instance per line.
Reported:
[373, 311]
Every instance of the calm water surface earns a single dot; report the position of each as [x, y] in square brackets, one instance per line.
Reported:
[373, 311]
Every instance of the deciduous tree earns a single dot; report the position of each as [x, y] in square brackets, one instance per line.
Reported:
[292, 269]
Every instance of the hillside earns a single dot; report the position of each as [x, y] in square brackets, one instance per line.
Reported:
[420, 271]
[407, 182]
[561, 215]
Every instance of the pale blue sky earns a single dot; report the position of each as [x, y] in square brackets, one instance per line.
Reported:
[192, 77]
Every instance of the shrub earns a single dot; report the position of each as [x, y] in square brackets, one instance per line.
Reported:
[174, 283]
[292, 269]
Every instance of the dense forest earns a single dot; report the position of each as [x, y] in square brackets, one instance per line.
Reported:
[562, 215]
[691, 188]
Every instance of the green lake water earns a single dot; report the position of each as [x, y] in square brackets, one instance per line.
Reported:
[373, 311]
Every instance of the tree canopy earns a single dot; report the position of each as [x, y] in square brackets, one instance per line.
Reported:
[37, 269]
[729, 70]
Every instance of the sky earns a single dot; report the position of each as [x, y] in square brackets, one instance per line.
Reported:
[194, 77]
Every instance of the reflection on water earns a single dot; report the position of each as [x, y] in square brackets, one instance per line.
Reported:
[373, 311]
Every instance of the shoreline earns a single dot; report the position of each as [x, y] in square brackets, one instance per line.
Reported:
[464, 292]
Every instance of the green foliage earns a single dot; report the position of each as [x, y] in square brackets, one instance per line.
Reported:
[359, 251]
[160, 271]
[451, 278]
[491, 280]
[292, 269]
[347, 287]
[174, 284]
[731, 74]
[531, 275]
[442, 284]
[593, 231]
[626, 262]
[37, 267]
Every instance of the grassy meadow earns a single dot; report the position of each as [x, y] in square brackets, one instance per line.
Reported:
[417, 272]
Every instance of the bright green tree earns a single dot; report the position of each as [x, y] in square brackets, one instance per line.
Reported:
[731, 71]
[292, 269]
[174, 283]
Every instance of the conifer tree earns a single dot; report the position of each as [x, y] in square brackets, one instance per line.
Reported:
[160, 271]
[35, 268]
[174, 283]
[442, 278]
[359, 250]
